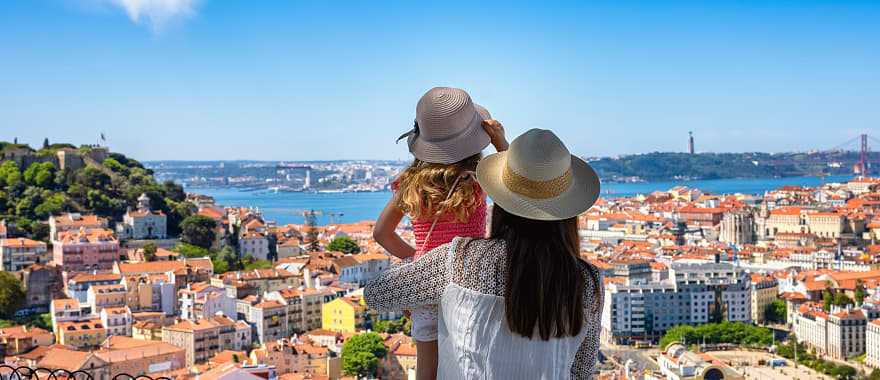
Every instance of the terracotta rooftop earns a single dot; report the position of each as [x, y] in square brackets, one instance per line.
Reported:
[21, 243]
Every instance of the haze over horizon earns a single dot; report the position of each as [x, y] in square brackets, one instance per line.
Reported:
[213, 80]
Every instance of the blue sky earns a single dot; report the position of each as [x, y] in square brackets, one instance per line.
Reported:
[297, 80]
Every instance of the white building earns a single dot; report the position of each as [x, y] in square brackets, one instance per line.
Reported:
[840, 334]
[693, 294]
[872, 344]
[677, 363]
[117, 320]
[143, 223]
[255, 244]
[201, 300]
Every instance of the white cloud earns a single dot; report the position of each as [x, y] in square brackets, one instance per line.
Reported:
[156, 13]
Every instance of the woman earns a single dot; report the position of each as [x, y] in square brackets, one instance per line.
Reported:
[521, 304]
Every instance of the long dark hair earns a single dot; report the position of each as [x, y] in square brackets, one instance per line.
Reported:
[545, 285]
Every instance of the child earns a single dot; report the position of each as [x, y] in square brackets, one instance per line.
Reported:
[438, 193]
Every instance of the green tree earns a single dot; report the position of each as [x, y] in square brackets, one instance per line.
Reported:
[344, 244]
[229, 255]
[827, 301]
[258, 264]
[860, 292]
[841, 299]
[776, 312]
[46, 143]
[51, 205]
[361, 354]
[115, 166]
[150, 251]
[220, 265]
[198, 230]
[312, 231]
[11, 295]
[875, 374]
[41, 174]
[724, 332]
[191, 251]
[390, 327]
[9, 174]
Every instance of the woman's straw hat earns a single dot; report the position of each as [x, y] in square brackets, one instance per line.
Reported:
[448, 127]
[537, 178]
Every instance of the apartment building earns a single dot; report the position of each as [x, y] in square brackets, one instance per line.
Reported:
[20, 339]
[85, 250]
[101, 296]
[42, 284]
[202, 300]
[84, 335]
[78, 284]
[203, 338]
[841, 334]
[872, 344]
[116, 320]
[288, 356]
[268, 317]
[74, 221]
[764, 290]
[344, 314]
[692, 294]
[19, 253]
[140, 357]
[151, 293]
[846, 333]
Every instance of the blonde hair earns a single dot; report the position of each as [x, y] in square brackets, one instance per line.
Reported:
[423, 188]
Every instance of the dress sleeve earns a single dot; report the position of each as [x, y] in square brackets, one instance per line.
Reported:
[585, 359]
[411, 285]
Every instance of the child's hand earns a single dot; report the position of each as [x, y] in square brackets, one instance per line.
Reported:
[496, 134]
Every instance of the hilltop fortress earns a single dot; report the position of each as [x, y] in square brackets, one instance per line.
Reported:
[64, 156]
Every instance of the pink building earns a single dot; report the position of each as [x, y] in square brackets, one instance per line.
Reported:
[86, 250]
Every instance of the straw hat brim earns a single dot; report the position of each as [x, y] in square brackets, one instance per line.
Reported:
[468, 143]
[579, 197]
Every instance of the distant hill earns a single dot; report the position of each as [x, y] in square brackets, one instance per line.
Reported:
[36, 183]
[659, 166]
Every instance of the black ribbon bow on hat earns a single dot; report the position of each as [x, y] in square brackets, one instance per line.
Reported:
[413, 132]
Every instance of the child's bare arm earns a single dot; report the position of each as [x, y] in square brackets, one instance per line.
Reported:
[496, 134]
[384, 232]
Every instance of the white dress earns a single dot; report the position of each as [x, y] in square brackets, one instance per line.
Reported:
[466, 278]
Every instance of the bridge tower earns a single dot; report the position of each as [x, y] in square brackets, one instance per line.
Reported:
[861, 168]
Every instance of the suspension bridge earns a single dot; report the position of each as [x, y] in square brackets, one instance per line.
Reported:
[858, 144]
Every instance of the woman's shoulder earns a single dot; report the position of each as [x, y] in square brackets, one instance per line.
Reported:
[590, 271]
[468, 245]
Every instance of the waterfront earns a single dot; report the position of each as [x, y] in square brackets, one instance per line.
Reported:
[288, 207]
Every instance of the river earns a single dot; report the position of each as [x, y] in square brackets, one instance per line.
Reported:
[287, 208]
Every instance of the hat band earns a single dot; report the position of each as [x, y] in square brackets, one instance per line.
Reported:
[536, 189]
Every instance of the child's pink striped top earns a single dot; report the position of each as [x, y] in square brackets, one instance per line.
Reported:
[447, 227]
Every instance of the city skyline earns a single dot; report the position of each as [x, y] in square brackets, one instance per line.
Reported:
[210, 80]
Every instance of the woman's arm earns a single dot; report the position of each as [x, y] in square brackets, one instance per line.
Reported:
[384, 232]
[585, 359]
[411, 285]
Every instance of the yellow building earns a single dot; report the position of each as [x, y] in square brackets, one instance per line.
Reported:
[345, 314]
[81, 334]
[764, 290]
